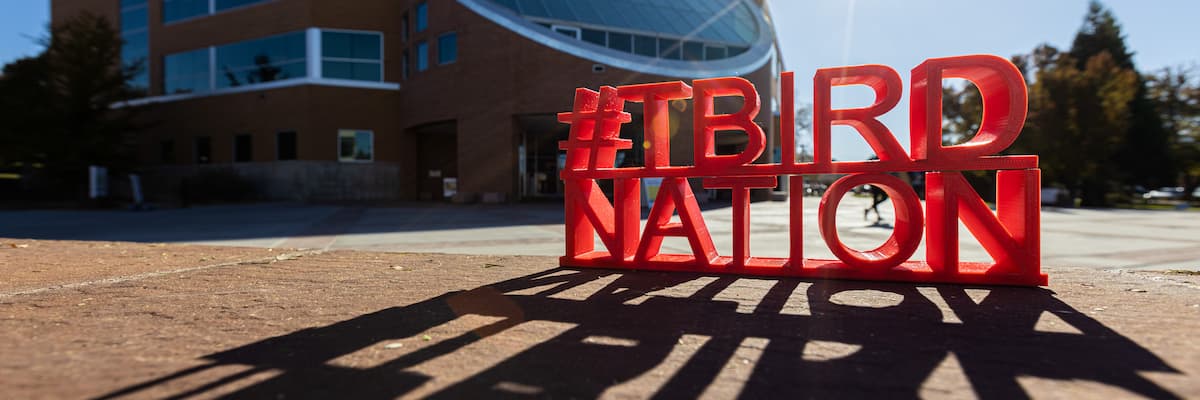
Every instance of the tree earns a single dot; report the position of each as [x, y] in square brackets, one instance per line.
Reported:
[1176, 95]
[60, 104]
[1077, 121]
[1144, 156]
[803, 126]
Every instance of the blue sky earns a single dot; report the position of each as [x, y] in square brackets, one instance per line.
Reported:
[900, 34]
[20, 24]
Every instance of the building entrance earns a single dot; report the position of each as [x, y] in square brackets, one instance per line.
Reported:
[539, 158]
[437, 161]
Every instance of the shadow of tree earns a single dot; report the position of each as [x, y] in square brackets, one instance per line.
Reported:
[898, 345]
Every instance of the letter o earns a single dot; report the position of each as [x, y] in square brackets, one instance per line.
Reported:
[906, 235]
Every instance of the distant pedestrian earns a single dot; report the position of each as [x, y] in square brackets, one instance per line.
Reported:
[878, 196]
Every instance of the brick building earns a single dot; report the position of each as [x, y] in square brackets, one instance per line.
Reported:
[386, 99]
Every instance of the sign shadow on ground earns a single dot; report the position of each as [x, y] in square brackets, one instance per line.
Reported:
[898, 345]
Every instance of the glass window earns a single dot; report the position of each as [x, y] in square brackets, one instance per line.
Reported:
[713, 21]
[645, 46]
[352, 55]
[203, 150]
[352, 70]
[714, 52]
[175, 10]
[242, 150]
[594, 36]
[262, 60]
[404, 27]
[571, 31]
[668, 48]
[620, 42]
[187, 72]
[404, 65]
[447, 48]
[222, 5]
[693, 51]
[285, 145]
[356, 145]
[352, 45]
[422, 16]
[134, 19]
[422, 56]
[135, 36]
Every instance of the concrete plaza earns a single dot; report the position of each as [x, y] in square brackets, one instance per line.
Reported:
[1104, 239]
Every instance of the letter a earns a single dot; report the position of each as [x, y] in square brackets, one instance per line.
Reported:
[676, 195]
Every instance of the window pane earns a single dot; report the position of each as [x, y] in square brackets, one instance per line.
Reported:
[668, 48]
[242, 151]
[227, 4]
[714, 52]
[422, 56]
[133, 19]
[693, 51]
[404, 27]
[447, 48]
[285, 145]
[175, 10]
[594, 36]
[359, 71]
[350, 45]
[620, 41]
[404, 65]
[186, 72]
[364, 145]
[132, 3]
[262, 60]
[645, 46]
[355, 145]
[568, 31]
[135, 48]
[422, 16]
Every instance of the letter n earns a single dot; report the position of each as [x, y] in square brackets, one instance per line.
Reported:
[1011, 236]
[588, 214]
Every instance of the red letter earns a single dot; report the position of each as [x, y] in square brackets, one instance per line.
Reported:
[886, 83]
[706, 124]
[1011, 237]
[787, 118]
[654, 96]
[676, 194]
[906, 235]
[1002, 89]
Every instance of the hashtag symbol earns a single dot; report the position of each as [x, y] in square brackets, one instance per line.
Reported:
[595, 126]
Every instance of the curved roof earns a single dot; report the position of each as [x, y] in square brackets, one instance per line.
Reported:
[725, 21]
[687, 39]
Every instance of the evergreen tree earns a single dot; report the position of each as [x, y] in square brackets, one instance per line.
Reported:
[1144, 157]
[57, 109]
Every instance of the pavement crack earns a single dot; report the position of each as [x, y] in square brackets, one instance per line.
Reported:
[155, 274]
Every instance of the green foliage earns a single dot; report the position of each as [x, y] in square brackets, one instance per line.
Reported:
[1093, 120]
[56, 109]
[1176, 95]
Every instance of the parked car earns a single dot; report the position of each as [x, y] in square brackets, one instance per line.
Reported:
[1165, 193]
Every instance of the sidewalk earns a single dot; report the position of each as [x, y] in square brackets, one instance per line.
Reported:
[113, 319]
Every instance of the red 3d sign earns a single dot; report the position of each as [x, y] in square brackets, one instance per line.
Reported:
[1010, 235]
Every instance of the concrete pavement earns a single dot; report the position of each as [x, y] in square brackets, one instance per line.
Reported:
[1104, 239]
